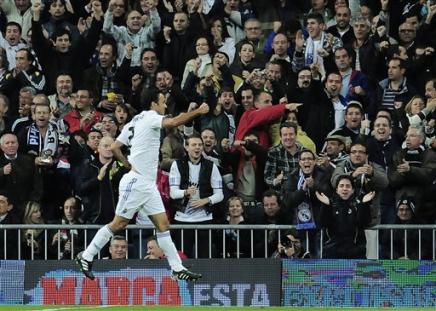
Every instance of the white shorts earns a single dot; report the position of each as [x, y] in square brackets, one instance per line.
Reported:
[138, 194]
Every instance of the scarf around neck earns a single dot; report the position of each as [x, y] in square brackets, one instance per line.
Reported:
[38, 147]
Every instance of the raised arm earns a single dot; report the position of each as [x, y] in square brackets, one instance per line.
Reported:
[185, 116]
[108, 24]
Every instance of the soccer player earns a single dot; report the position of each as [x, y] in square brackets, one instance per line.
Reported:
[138, 187]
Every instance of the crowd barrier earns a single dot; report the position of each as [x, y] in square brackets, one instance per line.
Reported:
[225, 282]
[137, 238]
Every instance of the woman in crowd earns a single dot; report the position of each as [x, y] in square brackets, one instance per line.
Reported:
[33, 239]
[344, 216]
[233, 243]
[202, 64]
[123, 115]
[245, 62]
[221, 38]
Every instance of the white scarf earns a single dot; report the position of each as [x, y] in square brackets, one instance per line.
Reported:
[301, 180]
[34, 140]
[310, 53]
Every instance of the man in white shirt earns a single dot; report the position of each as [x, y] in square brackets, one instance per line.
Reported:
[195, 187]
[137, 189]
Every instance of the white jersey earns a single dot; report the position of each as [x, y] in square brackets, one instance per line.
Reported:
[142, 134]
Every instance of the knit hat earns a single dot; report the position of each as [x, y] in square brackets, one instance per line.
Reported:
[407, 201]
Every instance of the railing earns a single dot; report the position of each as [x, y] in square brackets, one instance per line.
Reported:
[138, 241]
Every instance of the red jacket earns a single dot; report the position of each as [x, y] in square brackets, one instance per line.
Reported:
[254, 118]
[73, 120]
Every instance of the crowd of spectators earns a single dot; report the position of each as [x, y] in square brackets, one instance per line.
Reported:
[322, 115]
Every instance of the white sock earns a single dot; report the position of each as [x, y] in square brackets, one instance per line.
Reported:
[166, 244]
[98, 242]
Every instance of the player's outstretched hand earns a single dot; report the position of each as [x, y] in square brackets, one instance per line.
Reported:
[203, 109]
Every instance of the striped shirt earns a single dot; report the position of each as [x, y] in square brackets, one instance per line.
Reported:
[389, 94]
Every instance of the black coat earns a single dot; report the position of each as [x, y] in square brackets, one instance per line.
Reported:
[292, 197]
[73, 62]
[11, 238]
[345, 221]
[100, 197]
[23, 184]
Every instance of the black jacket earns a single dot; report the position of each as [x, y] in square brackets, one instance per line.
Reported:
[292, 197]
[11, 237]
[345, 221]
[100, 197]
[23, 184]
[72, 62]
[204, 185]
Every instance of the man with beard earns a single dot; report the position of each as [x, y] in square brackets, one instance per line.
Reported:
[354, 128]
[308, 92]
[342, 29]
[176, 100]
[245, 97]
[328, 113]
[413, 172]
[196, 188]
[333, 153]
[381, 149]
[60, 101]
[209, 146]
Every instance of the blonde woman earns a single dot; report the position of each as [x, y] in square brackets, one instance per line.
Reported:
[416, 111]
[32, 238]
[235, 216]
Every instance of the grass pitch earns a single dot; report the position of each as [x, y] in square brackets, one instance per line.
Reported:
[190, 308]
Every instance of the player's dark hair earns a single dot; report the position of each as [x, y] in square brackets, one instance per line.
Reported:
[151, 95]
